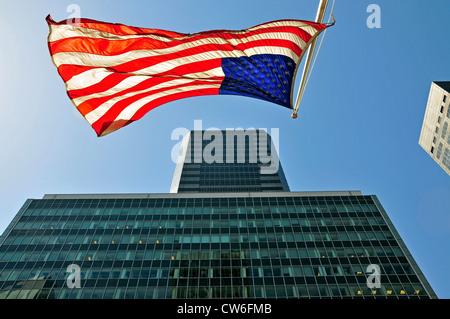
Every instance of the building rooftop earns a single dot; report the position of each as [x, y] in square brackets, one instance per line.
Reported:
[443, 84]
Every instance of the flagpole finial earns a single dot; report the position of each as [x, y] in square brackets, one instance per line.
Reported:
[294, 115]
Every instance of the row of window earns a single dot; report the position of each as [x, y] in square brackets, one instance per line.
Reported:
[203, 272]
[198, 238]
[242, 147]
[223, 182]
[216, 167]
[200, 211]
[222, 214]
[224, 170]
[157, 224]
[230, 181]
[288, 291]
[48, 255]
[169, 202]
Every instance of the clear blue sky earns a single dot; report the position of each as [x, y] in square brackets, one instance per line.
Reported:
[358, 128]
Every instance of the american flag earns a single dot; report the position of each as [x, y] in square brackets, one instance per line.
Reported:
[114, 73]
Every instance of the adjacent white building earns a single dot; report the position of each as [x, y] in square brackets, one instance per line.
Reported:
[435, 134]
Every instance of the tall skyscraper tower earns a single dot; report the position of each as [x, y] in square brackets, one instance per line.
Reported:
[248, 237]
[435, 133]
[228, 161]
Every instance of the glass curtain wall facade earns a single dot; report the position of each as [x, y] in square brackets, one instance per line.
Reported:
[203, 241]
[274, 245]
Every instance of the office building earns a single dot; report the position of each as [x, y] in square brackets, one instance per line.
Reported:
[435, 133]
[197, 242]
[228, 161]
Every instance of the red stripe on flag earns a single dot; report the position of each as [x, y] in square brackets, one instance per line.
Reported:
[67, 71]
[115, 28]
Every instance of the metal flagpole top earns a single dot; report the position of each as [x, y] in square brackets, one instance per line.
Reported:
[319, 19]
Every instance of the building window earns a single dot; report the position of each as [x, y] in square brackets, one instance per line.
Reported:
[434, 140]
[444, 130]
[432, 149]
[442, 109]
[439, 120]
[448, 112]
[439, 151]
[437, 130]
[446, 158]
[445, 98]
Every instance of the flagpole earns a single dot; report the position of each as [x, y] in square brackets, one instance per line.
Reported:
[319, 19]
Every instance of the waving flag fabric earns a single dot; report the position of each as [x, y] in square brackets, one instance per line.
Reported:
[115, 74]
